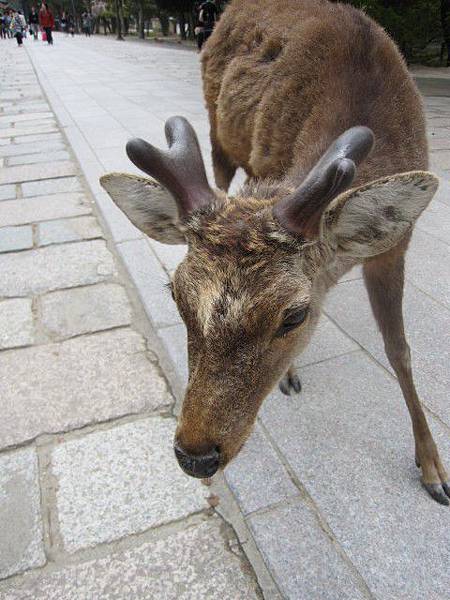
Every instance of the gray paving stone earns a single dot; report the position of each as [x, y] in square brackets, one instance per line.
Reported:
[51, 186]
[443, 193]
[55, 267]
[348, 439]
[16, 323]
[327, 341]
[68, 230]
[121, 481]
[15, 238]
[42, 208]
[63, 386]
[85, 310]
[426, 325]
[175, 342]
[171, 568]
[25, 159]
[42, 137]
[257, 477]
[302, 558]
[39, 148]
[169, 255]
[436, 221]
[23, 133]
[35, 172]
[149, 278]
[7, 192]
[28, 116]
[428, 266]
[21, 545]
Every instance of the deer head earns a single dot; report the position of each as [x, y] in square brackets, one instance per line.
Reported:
[251, 285]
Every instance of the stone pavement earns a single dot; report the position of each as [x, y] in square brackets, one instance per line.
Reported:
[92, 502]
[326, 498]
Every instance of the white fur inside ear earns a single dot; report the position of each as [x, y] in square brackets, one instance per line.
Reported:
[370, 220]
[147, 204]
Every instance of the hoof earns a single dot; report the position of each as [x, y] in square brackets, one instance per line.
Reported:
[290, 384]
[439, 492]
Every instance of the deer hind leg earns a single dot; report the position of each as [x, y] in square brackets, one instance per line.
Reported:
[384, 278]
[290, 383]
[224, 169]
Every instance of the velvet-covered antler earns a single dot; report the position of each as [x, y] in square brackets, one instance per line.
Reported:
[301, 211]
[180, 169]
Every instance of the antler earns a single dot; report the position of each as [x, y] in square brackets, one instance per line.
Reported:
[180, 169]
[301, 211]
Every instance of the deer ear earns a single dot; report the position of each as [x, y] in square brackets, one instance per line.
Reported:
[148, 205]
[370, 220]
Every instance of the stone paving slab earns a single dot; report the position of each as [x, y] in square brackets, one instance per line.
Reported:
[16, 323]
[121, 481]
[68, 230]
[29, 116]
[55, 267]
[172, 568]
[257, 476]
[425, 323]
[42, 208]
[51, 186]
[37, 129]
[428, 267]
[7, 192]
[26, 159]
[63, 386]
[16, 238]
[305, 562]
[88, 309]
[36, 172]
[348, 439]
[149, 278]
[21, 544]
[40, 137]
[36, 148]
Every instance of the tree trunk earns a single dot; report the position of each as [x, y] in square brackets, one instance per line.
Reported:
[445, 20]
[119, 19]
[191, 26]
[164, 20]
[182, 23]
[141, 29]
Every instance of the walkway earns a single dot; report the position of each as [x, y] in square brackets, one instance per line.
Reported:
[92, 502]
[327, 491]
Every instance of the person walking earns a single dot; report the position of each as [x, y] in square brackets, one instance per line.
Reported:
[7, 17]
[70, 25]
[207, 17]
[87, 24]
[47, 21]
[16, 26]
[33, 19]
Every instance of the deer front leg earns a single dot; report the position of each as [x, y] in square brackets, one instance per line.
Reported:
[290, 382]
[384, 278]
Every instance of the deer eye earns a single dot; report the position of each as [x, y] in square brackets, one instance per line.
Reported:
[292, 319]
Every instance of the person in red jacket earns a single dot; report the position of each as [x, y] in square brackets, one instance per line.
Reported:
[46, 21]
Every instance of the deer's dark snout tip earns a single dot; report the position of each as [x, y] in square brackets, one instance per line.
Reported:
[198, 465]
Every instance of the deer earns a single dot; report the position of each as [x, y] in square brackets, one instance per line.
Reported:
[314, 101]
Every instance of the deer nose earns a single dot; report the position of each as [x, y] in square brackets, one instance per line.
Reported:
[198, 465]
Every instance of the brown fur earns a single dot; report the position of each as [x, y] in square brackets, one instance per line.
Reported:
[334, 68]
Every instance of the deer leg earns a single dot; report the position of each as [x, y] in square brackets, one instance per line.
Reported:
[224, 169]
[384, 279]
[290, 382]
